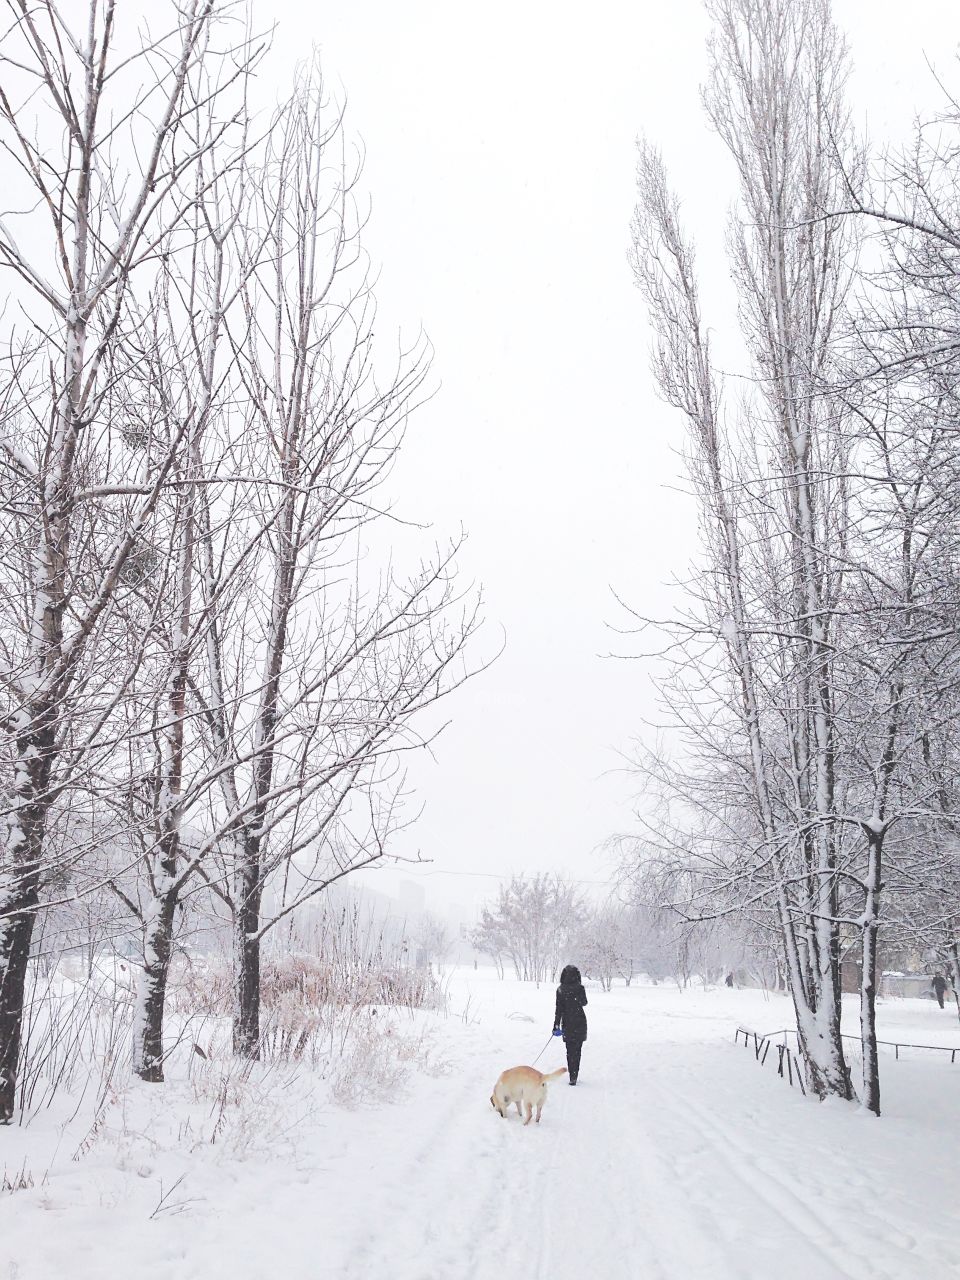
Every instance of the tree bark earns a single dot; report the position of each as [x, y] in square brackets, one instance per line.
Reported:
[246, 1016]
[869, 975]
[20, 888]
[148, 1056]
[15, 938]
[955, 970]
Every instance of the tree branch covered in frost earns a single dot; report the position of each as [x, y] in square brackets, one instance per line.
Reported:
[208, 675]
[815, 653]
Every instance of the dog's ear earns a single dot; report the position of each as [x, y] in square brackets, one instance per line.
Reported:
[493, 1102]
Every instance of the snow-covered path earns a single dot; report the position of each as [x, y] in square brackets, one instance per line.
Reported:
[676, 1157]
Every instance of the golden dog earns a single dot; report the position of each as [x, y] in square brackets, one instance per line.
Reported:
[522, 1085]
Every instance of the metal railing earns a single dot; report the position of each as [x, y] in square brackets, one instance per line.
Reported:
[898, 1045]
[786, 1058]
[761, 1047]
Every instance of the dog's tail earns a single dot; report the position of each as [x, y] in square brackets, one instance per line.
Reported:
[555, 1075]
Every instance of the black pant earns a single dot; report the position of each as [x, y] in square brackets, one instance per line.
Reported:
[573, 1056]
[939, 995]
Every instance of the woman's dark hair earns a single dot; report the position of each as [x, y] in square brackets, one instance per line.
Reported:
[570, 974]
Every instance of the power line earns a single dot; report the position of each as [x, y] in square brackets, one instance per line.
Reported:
[486, 875]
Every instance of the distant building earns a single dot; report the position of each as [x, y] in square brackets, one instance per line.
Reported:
[907, 984]
[412, 897]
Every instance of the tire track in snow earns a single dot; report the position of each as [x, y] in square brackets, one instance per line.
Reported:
[779, 1194]
[613, 1192]
[517, 1239]
[788, 1197]
[373, 1255]
[616, 1190]
[464, 1200]
[536, 1200]
[667, 1239]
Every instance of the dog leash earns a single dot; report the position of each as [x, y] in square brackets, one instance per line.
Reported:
[542, 1051]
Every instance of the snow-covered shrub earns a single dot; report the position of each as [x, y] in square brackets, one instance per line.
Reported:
[19, 1180]
[201, 988]
[240, 1101]
[307, 983]
[376, 1056]
[74, 1034]
[333, 959]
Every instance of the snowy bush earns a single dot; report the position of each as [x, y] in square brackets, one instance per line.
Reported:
[75, 1034]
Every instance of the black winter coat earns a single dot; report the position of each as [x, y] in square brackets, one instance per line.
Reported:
[569, 1016]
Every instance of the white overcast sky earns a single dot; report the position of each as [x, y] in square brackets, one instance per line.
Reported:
[499, 144]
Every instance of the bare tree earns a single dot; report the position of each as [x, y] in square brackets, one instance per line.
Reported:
[602, 945]
[902, 379]
[775, 97]
[103, 162]
[161, 773]
[814, 671]
[534, 922]
[260, 762]
[313, 682]
[433, 940]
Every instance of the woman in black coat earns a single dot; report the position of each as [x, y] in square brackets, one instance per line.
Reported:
[570, 1017]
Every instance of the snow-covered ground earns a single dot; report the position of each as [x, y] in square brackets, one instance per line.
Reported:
[676, 1157]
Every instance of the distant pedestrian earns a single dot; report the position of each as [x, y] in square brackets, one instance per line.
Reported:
[939, 987]
[570, 1017]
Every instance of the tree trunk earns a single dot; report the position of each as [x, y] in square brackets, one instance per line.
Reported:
[868, 977]
[15, 936]
[20, 890]
[246, 1012]
[821, 1047]
[818, 1017]
[159, 918]
[152, 990]
[955, 971]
